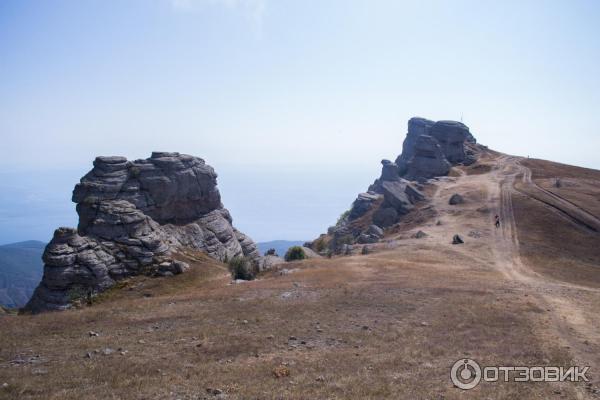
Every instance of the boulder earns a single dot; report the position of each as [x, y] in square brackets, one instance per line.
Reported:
[133, 216]
[456, 199]
[375, 231]
[456, 239]
[419, 235]
[400, 195]
[363, 203]
[385, 216]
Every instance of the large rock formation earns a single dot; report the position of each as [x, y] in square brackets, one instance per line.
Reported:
[430, 149]
[133, 216]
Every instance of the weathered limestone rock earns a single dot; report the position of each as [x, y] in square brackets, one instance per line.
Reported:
[363, 203]
[431, 148]
[451, 136]
[132, 217]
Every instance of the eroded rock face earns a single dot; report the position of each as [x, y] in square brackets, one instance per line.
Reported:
[133, 215]
[431, 148]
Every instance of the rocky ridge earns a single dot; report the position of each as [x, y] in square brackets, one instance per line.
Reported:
[430, 149]
[133, 216]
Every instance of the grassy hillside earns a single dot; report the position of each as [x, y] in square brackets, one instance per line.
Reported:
[21, 269]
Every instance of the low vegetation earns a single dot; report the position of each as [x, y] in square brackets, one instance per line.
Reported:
[295, 253]
[242, 268]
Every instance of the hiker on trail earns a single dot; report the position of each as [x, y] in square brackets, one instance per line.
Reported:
[497, 221]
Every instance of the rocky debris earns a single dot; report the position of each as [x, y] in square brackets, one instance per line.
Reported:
[133, 216]
[456, 239]
[456, 199]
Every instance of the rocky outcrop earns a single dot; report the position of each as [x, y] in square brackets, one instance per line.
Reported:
[430, 149]
[133, 216]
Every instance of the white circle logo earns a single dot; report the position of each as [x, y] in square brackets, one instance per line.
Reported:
[465, 374]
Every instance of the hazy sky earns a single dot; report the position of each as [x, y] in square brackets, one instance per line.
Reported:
[293, 102]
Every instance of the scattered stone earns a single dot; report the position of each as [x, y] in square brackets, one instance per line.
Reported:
[419, 235]
[93, 334]
[320, 378]
[456, 239]
[141, 341]
[4, 385]
[456, 199]
[424, 323]
[475, 234]
[213, 391]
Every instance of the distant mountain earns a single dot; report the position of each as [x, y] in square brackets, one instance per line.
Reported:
[280, 246]
[21, 269]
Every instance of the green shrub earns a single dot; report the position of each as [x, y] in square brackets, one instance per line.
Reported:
[270, 252]
[242, 268]
[295, 253]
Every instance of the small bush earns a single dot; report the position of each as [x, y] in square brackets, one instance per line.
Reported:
[270, 252]
[242, 268]
[295, 253]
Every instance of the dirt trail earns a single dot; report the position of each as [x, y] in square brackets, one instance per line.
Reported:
[565, 207]
[568, 308]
